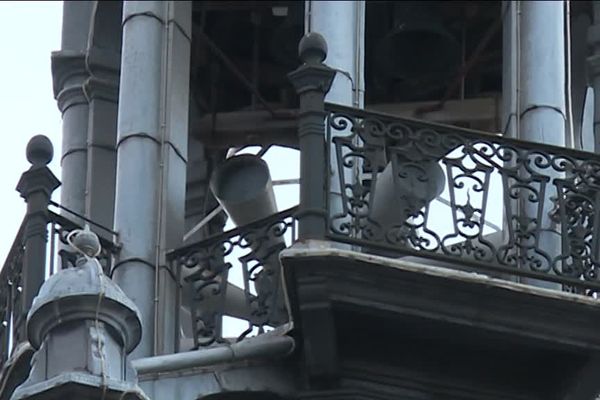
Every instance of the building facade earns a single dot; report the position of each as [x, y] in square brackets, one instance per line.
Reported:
[442, 246]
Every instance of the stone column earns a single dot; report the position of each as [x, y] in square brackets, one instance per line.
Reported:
[542, 76]
[101, 90]
[542, 115]
[151, 160]
[69, 73]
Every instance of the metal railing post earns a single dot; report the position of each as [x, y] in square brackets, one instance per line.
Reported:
[312, 80]
[35, 186]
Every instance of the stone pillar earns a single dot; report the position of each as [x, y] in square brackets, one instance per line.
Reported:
[542, 76]
[312, 81]
[542, 109]
[69, 73]
[101, 90]
[151, 160]
[82, 326]
[35, 186]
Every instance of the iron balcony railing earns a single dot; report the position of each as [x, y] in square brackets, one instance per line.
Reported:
[11, 325]
[13, 312]
[467, 199]
[408, 189]
[236, 274]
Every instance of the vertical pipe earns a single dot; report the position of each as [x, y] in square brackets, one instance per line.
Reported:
[510, 63]
[570, 139]
[342, 24]
[151, 160]
[542, 103]
[543, 100]
[594, 70]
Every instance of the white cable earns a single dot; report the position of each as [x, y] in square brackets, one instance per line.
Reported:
[99, 342]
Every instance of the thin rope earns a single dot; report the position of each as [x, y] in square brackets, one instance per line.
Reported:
[100, 273]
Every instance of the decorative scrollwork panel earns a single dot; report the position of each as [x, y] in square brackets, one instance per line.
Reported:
[250, 253]
[12, 324]
[462, 196]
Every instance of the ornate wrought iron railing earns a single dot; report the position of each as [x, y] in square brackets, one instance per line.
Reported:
[236, 273]
[32, 258]
[13, 314]
[414, 188]
[60, 252]
[11, 326]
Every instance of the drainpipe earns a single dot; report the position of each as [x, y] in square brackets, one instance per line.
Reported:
[342, 24]
[265, 346]
[151, 146]
[510, 71]
[69, 73]
[594, 70]
[510, 94]
[542, 105]
[542, 102]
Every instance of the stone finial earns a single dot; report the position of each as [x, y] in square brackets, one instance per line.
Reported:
[39, 151]
[312, 48]
[83, 309]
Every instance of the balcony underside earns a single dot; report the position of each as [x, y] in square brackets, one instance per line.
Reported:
[381, 327]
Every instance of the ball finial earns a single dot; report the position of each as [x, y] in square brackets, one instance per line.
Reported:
[39, 151]
[85, 241]
[312, 48]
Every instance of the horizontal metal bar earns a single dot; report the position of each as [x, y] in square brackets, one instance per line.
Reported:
[470, 133]
[286, 182]
[173, 254]
[69, 224]
[55, 204]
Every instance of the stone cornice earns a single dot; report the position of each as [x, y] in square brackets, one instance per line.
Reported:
[68, 75]
[101, 88]
[66, 65]
[70, 96]
[103, 62]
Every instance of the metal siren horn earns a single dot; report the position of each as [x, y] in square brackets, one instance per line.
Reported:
[242, 185]
[402, 190]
